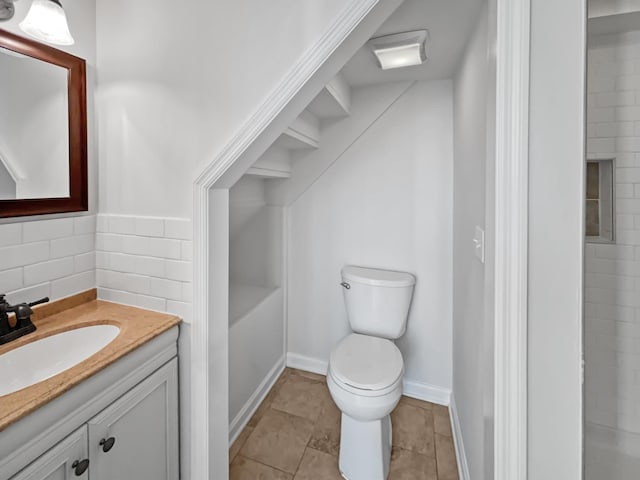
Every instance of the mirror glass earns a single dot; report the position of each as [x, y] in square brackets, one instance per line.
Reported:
[34, 128]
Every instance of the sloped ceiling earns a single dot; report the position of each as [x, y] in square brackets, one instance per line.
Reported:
[450, 24]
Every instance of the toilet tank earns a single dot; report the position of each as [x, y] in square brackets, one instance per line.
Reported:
[377, 301]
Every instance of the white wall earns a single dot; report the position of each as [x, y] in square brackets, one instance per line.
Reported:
[177, 82]
[367, 104]
[246, 199]
[474, 131]
[556, 168]
[7, 183]
[255, 236]
[612, 306]
[387, 203]
[256, 352]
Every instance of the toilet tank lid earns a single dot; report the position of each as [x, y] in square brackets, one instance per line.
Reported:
[377, 277]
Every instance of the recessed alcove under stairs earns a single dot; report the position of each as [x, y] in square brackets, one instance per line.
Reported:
[257, 253]
[256, 305]
[258, 206]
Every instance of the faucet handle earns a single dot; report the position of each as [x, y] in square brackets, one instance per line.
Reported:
[38, 302]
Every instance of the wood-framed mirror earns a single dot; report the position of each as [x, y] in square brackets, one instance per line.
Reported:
[43, 129]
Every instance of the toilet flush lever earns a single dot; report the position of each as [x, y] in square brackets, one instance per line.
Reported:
[345, 285]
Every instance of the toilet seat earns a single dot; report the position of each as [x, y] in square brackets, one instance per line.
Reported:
[366, 365]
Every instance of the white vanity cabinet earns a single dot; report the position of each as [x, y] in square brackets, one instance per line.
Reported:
[59, 463]
[122, 424]
[137, 436]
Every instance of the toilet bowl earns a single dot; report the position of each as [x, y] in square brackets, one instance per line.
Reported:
[365, 381]
[366, 368]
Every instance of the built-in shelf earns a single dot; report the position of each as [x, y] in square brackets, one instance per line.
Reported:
[294, 140]
[243, 298]
[268, 172]
[304, 133]
[274, 163]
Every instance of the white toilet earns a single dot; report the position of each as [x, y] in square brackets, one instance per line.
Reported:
[366, 368]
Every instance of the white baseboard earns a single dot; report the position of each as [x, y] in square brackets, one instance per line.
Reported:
[308, 364]
[413, 389]
[613, 439]
[461, 456]
[246, 412]
[426, 392]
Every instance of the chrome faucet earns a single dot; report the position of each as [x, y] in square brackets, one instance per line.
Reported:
[23, 324]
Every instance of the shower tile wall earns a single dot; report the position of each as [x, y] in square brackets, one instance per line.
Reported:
[612, 296]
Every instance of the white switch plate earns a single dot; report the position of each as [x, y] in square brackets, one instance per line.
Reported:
[478, 242]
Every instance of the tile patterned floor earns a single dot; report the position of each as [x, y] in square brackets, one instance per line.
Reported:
[295, 435]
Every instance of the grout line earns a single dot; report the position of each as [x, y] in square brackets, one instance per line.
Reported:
[304, 452]
[435, 454]
[262, 463]
[320, 451]
[294, 415]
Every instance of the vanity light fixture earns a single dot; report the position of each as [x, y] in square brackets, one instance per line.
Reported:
[400, 50]
[47, 21]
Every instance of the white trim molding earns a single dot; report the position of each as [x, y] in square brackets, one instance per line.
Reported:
[13, 170]
[512, 162]
[308, 364]
[458, 441]
[426, 392]
[246, 412]
[350, 30]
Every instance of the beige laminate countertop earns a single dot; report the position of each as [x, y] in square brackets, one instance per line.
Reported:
[137, 326]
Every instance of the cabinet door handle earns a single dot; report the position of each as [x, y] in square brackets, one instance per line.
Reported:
[80, 466]
[107, 443]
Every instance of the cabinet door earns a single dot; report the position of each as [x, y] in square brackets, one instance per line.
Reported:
[57, 463]
[139, 432]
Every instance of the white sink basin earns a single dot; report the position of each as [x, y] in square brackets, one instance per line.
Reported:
[42, 359]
